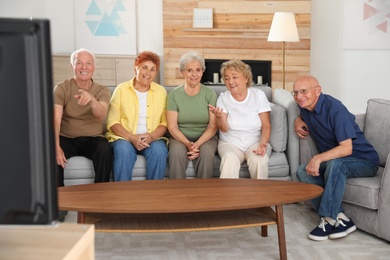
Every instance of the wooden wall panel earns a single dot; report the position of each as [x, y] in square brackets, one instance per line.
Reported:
[251, 6]
[240, 30]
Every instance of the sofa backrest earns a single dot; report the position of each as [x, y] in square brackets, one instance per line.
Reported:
[284, 99]
[279, 128]
[377, 125]
[111, 89]
[222, 88]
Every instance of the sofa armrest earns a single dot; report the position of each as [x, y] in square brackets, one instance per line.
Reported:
[384, 202]
[307, 149]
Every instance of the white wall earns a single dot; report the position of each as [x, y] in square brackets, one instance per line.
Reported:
[22, 8]
[150, 29]
[59, 12]
[61, 15]
[353, 76]
[150, 26]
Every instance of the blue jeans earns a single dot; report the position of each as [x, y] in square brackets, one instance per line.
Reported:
[333, 177]
[125, 156]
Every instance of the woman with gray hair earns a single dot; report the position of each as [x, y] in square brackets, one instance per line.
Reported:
[243, 119]
[191, 126]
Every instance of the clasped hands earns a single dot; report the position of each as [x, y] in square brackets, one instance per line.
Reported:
[142, 141]
[193, 151]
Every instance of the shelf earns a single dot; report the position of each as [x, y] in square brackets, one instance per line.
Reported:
[304, 33]
[238, 30]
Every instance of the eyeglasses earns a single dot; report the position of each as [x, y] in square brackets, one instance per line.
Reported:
[301, 91]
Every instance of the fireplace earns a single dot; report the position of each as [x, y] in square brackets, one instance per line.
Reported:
[260, 68]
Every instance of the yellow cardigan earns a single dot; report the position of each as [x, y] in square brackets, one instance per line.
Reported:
[124, 109]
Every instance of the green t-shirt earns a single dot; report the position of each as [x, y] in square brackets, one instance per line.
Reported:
[193, 111]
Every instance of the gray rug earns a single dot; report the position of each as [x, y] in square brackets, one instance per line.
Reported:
[244, 243]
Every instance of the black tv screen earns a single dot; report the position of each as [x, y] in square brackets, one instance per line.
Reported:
[28, 172]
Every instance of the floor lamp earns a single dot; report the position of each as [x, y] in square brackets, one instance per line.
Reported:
[283, 29]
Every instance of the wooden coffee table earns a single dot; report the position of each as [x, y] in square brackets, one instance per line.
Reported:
[185, 205]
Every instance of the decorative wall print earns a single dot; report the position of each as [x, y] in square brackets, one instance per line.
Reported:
[202, 18]
[106, 26]
[366, 24]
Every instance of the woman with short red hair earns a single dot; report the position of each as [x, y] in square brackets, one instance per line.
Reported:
[137, 122]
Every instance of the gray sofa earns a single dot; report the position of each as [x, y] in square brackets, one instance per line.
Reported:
[367, 200]
[283, 162]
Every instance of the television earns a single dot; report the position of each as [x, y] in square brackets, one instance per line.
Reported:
[28, 171]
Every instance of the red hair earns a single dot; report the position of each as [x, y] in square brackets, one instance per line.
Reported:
[147, 56]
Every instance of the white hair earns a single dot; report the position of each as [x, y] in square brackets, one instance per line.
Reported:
[190, 57]
[74, 54]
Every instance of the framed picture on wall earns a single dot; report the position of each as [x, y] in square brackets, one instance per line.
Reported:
[202, 18]
[106, 27]
[366, 24]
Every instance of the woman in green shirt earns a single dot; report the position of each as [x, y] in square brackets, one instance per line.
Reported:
[192, 127]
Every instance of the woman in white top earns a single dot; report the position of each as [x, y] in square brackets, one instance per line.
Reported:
[243, 120]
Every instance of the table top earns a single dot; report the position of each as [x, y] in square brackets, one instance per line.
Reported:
[184, 195]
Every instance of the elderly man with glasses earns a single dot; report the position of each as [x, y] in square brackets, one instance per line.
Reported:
[344, 153]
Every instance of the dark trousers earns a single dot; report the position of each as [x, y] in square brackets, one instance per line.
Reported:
[96, 149]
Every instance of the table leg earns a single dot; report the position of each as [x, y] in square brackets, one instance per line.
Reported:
[281, 233]
[80, 217]
[264, 231]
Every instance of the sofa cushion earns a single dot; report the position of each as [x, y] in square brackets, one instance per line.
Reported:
[369, 186]
[78, 170]
[278, 139]
[79, 167]
[377, 125]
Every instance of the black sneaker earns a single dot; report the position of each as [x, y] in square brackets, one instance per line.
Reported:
[343, 227]
[61, 215]
[322, 231]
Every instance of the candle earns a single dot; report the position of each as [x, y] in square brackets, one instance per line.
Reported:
[260, 80]
[215, 78]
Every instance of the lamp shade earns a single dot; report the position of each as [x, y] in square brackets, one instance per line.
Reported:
[283, 28]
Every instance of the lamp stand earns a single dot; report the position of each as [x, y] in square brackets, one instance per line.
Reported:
[283, 70]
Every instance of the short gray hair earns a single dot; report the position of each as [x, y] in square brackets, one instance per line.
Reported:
[190, 57]
[74, 54]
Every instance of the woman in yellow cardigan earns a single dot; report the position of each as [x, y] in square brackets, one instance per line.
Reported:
[137, 121]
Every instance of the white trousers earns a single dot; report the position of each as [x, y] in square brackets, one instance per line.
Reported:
[232, 158]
